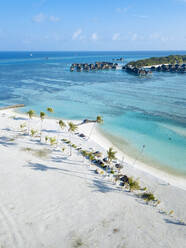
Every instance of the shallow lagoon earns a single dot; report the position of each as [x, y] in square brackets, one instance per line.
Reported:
[137, 111]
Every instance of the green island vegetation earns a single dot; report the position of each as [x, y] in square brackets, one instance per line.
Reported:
[171, 59]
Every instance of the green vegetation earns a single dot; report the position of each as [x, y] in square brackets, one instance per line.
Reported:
[50, 110]
[23, 126]
[72, 128]
[63, 149]
[91, 156]
[99, 119]
[111, 155]
[40, 153]
[42, 116]
[84, 153]
[62, 124]
[33, 132]
[148, 196]
[27, 149]
[53, 141]
[30, 113]
[133, 184]
[78, 243]
[171, 59]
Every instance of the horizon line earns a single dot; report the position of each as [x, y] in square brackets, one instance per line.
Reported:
[93, 50]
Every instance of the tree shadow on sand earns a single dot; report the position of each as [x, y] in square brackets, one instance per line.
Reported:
[4, 141]
[104, 187]
[20, 119]
[49, 131]
[175, 222]
[42, 167]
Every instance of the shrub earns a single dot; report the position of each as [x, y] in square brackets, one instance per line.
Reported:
[33, 132]
[41, 153]
[53, 141]
[27, 149]
[103, 165]
[23, 125]
[133, 184]
[84, 153]
[171, 212]
[144, 189]
[91, 157]
[78, 243]
[148, 196]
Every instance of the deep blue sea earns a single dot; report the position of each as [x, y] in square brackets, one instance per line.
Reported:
[137, 111]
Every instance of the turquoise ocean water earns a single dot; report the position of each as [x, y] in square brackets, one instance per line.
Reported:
[137, 111]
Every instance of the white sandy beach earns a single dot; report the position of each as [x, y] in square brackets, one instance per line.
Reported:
[52, 200]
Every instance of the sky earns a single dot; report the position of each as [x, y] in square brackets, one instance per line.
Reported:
[92, 25]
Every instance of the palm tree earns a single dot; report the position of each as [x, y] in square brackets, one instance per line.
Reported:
[53, 141]
[30, 113]
[72, 128]
[98, 120]
[62, 125]
[50, 110]
[33, 132]
[42, 116]
[111, 155]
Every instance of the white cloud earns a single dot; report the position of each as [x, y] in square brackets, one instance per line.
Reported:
[116, 36]
[134, 37]
[39, 18]
[54, 19]
[77, 34]
[42, 17]
[154, 36]
[94, 36]
[160, 37]
[122, 10]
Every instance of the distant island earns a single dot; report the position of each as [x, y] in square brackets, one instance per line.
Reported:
[171, 63]
[154, 61]
[142, 67]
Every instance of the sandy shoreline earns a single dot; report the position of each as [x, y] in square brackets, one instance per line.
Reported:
[51, 199]
[175, 180]
[98, 137]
